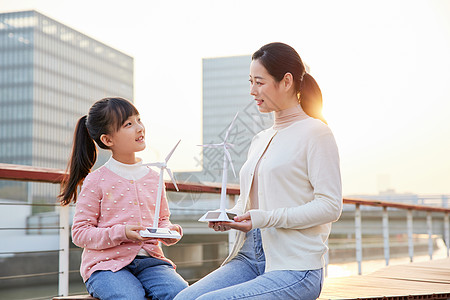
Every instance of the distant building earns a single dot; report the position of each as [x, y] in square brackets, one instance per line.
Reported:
[50, 75]
[226, 91]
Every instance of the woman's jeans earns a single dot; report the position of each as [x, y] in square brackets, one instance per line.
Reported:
[143, 277]
[244, 278]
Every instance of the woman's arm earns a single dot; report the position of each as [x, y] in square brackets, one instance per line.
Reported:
[324, 176]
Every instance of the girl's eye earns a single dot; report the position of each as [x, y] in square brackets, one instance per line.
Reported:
[128, 124]
[258, 83]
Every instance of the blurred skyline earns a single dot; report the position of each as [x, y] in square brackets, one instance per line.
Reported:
[383, 67]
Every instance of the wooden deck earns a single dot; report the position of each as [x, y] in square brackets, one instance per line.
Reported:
[420, 280]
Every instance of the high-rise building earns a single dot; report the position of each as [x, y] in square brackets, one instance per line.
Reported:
[50, 74]
[226, 91]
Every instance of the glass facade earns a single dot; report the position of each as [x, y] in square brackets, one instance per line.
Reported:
[50, 75]
[226, 91]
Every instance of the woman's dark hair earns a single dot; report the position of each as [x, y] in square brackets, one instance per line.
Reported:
[105, 116]
[279, 59]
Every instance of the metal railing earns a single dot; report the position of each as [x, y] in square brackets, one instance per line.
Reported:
[33, 174]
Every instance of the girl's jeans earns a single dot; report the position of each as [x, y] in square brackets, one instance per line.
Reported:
[244, 278]
[143, 277]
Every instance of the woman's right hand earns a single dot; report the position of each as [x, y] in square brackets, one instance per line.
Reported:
[132, 232]
[219, 226]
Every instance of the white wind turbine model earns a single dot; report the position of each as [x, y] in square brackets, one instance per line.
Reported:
[154, 231]
[221, 214]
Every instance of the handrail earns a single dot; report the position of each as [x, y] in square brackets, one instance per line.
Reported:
[49, 175]
[38, 174]
[378, 203]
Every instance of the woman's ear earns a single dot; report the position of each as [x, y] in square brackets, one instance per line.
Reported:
[288, 81]
[106, 140]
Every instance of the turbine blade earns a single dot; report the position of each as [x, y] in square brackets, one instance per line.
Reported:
[171, 152]
[229, 145]
[230, 161]
[229, 128]
[172, 178]
[156, 164]
[211, 145]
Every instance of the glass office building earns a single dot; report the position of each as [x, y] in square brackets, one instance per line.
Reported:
[50, 75]
[226, 91]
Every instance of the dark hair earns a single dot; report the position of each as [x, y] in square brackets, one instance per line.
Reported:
[279, 59]
[105, 116]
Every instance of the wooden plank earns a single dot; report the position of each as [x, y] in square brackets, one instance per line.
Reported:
[422, 279]
[76, 297]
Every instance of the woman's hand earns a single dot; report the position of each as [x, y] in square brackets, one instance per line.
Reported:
[242, 223]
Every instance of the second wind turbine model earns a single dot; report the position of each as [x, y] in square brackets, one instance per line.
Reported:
[221, 214]
[154, 231]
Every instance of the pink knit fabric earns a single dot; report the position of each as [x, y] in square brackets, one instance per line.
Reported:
[106, 203]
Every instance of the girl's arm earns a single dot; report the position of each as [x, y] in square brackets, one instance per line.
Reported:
[164, 221]
[85, 230]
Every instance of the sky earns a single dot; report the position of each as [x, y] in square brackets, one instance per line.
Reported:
[383, 67]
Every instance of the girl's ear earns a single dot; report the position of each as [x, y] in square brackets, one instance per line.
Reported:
[106, 140]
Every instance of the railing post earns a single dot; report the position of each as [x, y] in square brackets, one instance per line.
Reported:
[327, 259]
[409, 222]
[64, 232]
[358, 237]
[231, 233]
[430, 234]
[386, 235]
[447, 233]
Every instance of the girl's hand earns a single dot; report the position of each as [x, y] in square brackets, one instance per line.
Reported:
[132, 232]
[171, 241]
[242, 223]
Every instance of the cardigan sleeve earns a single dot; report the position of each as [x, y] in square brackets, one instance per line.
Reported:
[85, 230]
[324, 176]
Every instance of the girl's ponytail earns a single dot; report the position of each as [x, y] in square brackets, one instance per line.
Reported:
[311, 97]
[82, 159]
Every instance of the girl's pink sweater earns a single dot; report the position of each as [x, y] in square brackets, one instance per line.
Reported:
[106, 203]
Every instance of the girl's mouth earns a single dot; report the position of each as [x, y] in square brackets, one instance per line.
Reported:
[259, 102]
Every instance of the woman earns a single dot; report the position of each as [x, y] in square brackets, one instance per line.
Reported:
[290, 191]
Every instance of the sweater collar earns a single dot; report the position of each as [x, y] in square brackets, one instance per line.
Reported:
[286, 117]
[124, 170]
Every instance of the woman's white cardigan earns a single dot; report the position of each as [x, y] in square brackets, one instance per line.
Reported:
[299, 191]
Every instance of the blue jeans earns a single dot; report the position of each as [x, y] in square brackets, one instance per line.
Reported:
[244, 278]
[143, 277]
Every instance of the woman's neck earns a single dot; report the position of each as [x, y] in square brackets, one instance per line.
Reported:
[286, 117]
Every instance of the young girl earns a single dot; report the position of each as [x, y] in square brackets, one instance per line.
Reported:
[115, 202]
